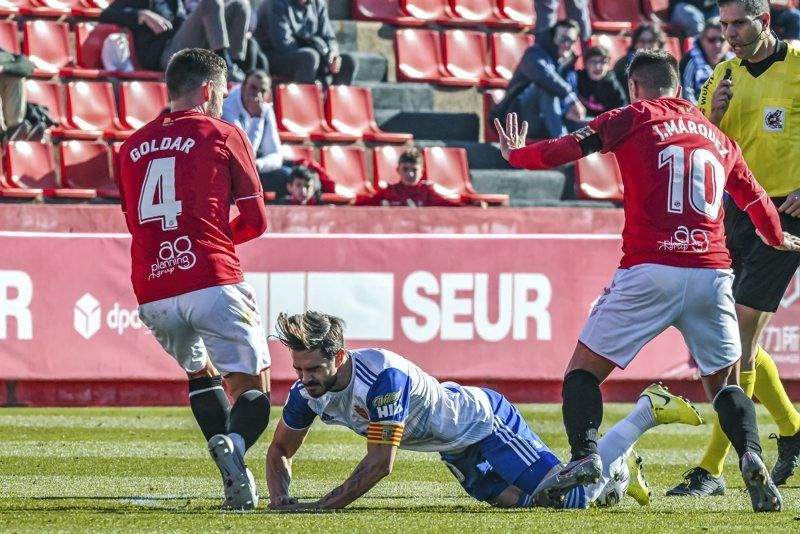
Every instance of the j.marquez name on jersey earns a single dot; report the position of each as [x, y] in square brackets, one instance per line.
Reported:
[171, 255]
[669, 128]
[165, 143]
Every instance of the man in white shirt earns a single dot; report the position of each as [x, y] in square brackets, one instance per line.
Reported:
[249, 106]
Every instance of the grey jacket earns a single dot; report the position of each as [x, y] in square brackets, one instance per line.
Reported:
[283, 25]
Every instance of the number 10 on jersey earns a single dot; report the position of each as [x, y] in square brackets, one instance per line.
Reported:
[157, 201]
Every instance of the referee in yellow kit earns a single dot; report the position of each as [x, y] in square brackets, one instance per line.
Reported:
[755, 99]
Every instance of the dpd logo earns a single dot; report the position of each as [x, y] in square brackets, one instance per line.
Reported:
[87, 317]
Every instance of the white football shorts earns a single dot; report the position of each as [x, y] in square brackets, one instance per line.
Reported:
[643, 301]
[221, 323]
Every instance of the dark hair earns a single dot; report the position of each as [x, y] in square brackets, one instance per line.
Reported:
[190, 68]
[258, 73]
[656, 70]
[411, 155]
[570, 24]
[596, 51]
[752, 8]
[655, 29]
[301, 172]
[312, 331]
[712, 24]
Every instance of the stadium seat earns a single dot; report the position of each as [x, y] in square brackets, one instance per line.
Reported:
[615, 15]
[427, 10]
[347, 167]
[30, 165]
[49, 95]
[448, 170]
[490, 98]
[86, 165]
[15, 194]
[300, 115]
[8, 9]
[520, 11]
[388, 11]
[506, 51]
[47, 43]
[295, 152]
[617, 45]
[91, 112]
[656, 9]
[36, 9]
[418, 55]
[674, 47]
[384, 165]
[465, 57]
[9, 36]
[479, 12]
[349, 110]
[141, 102]
[597, 177]
[89, 38]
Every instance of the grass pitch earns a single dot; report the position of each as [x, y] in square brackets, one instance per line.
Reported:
[146, 469]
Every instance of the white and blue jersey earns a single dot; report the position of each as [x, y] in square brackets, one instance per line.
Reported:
[481, 436]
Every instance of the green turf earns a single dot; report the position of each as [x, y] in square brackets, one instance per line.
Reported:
[146, 469]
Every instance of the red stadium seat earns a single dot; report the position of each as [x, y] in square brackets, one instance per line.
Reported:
[490, 99]
[8, 8]
[30, 165]
[615, 15]
[87, 165]
[674, 47]
[617, 45]
[448, 170]
[597, 177]
[141, 102]
[347, 167]
[385, 11]
[507, 50]
[464, 53]
[49, 95]
[479, 12]
[47, 43]
[418, 55]
[89, 38]
[427, 10]
[656, 8]
[520, 11]
[384, 165]
[349, 110]
[36, 8]
[295, 152]
[91, 112]
[9, 36]
[300, 115]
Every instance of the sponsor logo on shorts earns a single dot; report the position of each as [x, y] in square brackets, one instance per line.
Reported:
[774, 119]
[686, 240]
[171, 255]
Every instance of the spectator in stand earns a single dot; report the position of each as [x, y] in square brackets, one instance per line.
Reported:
[249, 106]
[646, 36]
[13, 70]
[300, 43]
[547, 15]
[162, 27]
[302, 187]
[411, 190]
[538, 91]
[785, 18]
[698, 64]
[690, 15]
[596, 85]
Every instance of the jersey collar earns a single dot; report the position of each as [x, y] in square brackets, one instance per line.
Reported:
[757, 69]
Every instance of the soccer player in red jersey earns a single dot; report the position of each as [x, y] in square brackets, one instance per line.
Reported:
[675, 269]
[178, 176]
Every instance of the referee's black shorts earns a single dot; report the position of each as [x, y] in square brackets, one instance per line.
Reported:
[762, 273]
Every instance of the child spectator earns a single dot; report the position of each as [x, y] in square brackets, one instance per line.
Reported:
[596, 85]
[646, 36]
[302, 188]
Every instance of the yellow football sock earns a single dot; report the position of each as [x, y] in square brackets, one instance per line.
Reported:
[769, 391]
[718, 447]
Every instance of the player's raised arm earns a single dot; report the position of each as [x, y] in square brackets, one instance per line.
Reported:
[285, 444]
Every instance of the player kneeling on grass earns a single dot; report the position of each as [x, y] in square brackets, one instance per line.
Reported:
[479, 434]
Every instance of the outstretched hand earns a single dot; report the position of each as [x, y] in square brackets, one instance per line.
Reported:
[791, 243]
[511, 137]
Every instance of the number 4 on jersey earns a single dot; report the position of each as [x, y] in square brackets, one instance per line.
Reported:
[157, 202]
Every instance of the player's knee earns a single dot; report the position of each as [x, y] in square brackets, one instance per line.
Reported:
[238, 383]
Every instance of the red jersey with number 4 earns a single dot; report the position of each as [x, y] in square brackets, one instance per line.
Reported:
[178, 177]
[675, 166]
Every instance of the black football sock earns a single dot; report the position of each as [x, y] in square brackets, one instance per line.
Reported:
[737, 418]
[250, 416]
[582, 410]
[210, 405]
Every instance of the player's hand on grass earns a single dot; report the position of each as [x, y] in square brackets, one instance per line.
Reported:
[721, 100]
[282, 502]
[791, 243]
[154, 21]
[791, 206]
[297, 506]
[512, 137]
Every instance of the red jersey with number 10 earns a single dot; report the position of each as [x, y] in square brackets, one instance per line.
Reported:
[675, 167]
[178, 177]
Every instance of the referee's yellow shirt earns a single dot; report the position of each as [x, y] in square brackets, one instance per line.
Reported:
[764, 118]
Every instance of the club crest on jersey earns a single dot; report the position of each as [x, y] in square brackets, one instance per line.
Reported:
[774, 119]
[361, 412]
